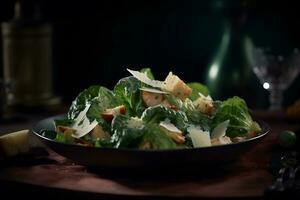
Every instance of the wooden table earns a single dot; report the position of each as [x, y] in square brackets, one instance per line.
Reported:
[54, 176]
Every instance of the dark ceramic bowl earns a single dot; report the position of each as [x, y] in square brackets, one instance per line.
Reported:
[133, 158]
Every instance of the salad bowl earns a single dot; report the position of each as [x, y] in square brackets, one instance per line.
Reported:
[148, 123]
[151, 159]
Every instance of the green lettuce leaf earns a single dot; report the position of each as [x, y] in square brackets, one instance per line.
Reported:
[159, 113]
[103, 97]
[127, 91]
[131, 132]
[63, 122]
[148, 73]
[193, 115]
[127, 132]
[235, 109]
[196, 89]
[99, 99]
[157, 138]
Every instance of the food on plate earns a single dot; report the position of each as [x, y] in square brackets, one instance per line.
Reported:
[143, 113]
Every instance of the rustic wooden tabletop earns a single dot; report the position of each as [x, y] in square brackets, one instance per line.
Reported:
[52, 175]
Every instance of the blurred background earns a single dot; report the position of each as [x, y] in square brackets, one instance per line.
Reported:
[82, 43]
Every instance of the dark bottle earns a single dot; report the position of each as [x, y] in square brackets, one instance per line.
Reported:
[229, 72]
[27, 56]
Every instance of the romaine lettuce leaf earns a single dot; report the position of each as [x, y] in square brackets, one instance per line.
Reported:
[103, 97]
[127, 132]
[131, 132]
[148, 73]
[159, 113]
[93, 101]
[127, 91]
[196, 117]
[157, 138]
[235, 109]
[193, 115]
[63, 122]
[196, 89]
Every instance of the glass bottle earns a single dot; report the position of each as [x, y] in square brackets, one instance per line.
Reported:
[229, 72]
[27, 56]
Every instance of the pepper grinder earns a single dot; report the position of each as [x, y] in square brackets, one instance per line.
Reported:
[27, 57]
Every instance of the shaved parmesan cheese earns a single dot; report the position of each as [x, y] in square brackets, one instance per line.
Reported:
[199, 137]
[82, 124]
[169, 126]
[220, 130]
[207, 98]
[152, 90]
[135, 123]
[144, 78]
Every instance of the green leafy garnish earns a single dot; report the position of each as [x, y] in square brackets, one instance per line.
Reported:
[235, 109]
[159, 113]
[157, 138]
[148, 73]
[196, 89]
[103, 97]
[127, 132]
[127, 91]
[133, 133]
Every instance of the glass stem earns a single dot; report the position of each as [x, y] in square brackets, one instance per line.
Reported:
[276, 97]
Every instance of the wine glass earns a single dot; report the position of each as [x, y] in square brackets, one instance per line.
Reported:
[276, 72]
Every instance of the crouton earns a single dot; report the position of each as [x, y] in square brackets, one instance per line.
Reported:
[172, 131]
[67, 131]
[151, 99]
[176, 137]
[146, 145]
[238, 139]
[204, 105]
[221, 140]
[98, 132]
[176, 86]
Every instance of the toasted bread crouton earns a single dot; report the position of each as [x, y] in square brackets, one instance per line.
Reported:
[151, 99]
[174, 133]
[110, 113]
[221, 140]
[177, 87]
[63, 129]
[167, 104]
[238, 139]
[98, 132]
[204, 105]
[145, 145]
[67, 131]
[176, 137]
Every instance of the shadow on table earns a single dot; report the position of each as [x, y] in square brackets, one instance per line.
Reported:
[36, 156]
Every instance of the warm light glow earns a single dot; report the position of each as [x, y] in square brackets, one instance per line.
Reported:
[213, 72]
[266, 85]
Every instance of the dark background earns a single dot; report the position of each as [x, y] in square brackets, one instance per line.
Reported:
[95, 41]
